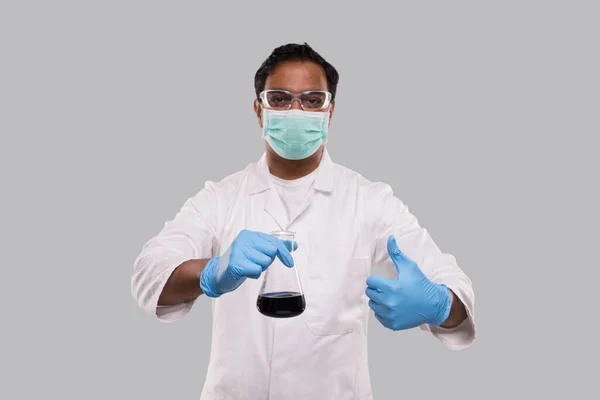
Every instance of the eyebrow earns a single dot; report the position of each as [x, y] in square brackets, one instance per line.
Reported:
[307, 90]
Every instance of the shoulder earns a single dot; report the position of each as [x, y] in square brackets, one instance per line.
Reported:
[380, 204]
[227, 184]
[226, 187]
[371, 189]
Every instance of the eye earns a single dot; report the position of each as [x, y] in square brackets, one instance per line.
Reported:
[313, 102]
[278, 100]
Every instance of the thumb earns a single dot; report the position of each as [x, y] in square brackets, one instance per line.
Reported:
[398, 257]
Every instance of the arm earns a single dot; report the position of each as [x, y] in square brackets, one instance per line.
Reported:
[458, 313]
[165, 278]
[390, 216]
[183, 286]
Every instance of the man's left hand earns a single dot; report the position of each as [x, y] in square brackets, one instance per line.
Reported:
[409, 300]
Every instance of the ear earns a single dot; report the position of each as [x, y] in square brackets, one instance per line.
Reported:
[331, 108]
[258, 112]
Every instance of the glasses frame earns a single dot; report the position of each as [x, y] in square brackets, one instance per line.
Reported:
[296, 96]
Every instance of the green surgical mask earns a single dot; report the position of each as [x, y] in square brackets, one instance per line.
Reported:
[295, 134]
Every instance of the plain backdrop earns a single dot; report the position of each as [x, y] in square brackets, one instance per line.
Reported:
[483, 116]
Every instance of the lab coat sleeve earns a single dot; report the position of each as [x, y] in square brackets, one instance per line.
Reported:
[392, 217]
[189, 235]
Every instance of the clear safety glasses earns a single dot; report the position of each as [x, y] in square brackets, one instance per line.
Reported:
[311, 100]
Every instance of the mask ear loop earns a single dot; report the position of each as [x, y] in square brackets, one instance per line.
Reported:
[326, 122]
[264, 119]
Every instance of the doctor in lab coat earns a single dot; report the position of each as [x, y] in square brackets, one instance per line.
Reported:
[345, 225]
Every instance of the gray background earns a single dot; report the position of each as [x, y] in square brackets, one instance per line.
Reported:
[482, 116]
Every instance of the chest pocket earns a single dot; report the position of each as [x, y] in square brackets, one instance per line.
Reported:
[335, 296]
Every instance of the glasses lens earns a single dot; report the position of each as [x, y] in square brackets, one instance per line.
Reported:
[276, 99]
[314, 100]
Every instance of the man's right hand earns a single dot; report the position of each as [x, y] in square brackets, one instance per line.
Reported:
[247, 257]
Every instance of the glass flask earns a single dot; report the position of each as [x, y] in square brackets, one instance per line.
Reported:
[281, 294]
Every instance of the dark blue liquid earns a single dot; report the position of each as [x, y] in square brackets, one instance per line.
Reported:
[281, 304]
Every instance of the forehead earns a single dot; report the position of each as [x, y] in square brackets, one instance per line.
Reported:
[297, 76]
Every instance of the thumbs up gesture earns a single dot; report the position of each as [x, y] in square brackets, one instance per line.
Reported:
[409, 300]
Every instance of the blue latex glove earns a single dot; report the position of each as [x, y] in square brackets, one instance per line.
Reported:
[247, 257]
[411, 299]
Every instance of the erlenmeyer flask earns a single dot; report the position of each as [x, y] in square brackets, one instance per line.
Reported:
[281, 294]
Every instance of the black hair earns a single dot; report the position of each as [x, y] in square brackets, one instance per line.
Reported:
[294, 52]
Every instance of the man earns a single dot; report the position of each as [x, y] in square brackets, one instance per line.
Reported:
[219, 244]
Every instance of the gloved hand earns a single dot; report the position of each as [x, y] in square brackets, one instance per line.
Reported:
[247, 257]
[411, 299]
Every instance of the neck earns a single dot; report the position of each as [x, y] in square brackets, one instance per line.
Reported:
[292, 169]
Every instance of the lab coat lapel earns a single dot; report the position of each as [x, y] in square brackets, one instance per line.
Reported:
[275, 208]
[307, 202]
[323, 183]
[260, 184]
[273, 205]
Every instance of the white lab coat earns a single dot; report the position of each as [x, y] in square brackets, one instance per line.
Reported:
[342, 232]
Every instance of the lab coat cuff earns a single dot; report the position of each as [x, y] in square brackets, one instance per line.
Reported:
[169, 313]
